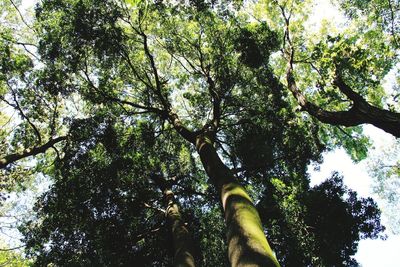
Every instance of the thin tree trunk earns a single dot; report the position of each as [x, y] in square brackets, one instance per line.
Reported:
[247, 244]
[182, 240]
[183, 243]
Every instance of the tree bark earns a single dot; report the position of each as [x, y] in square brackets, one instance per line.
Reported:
[386, 120]
[247, 244]
[29, 152]
[183, 243]
[360, 113]
[182, 240]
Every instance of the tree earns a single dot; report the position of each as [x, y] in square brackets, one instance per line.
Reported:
[39, 124]
[341, 74]
[246, 240]
[116, 212]
[200, 74]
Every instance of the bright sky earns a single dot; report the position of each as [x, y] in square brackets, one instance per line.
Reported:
[357, 178]
[371, 253]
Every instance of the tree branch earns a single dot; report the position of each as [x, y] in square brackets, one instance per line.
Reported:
[19, 109]
[21, 16]
[14, 248]
[172, 116]
[361, 112]
[29, 152]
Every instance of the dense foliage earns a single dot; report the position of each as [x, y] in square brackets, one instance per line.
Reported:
[104, 209]
[204, 94]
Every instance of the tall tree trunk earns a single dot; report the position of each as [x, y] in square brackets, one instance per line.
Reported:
[183, 243]
[247, 244]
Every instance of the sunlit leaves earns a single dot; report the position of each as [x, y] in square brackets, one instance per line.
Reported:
[355, 144]
[384, 14]
[364, 63]
[12, 258]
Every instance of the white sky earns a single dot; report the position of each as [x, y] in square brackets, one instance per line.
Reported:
[371, 253]
[324, 10]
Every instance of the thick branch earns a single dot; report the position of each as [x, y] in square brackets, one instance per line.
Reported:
[361, 112]
[216, 101]
[346, 90]
[29, 152]
[386, 120]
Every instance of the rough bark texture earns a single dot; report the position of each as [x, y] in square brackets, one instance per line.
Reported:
[29, 152]
[247, 244]
[183, 243]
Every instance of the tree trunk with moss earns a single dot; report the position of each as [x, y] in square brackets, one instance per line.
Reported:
[247, 244]
[183, 243]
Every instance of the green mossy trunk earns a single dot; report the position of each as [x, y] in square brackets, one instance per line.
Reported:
[247, 244]
[183, 244]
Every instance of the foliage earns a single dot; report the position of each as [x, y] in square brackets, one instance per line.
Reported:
[304, 225]
[30, 116]
[102, 187]
[133, 68]
[384, 13]
[12, 258]
[103, 208]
